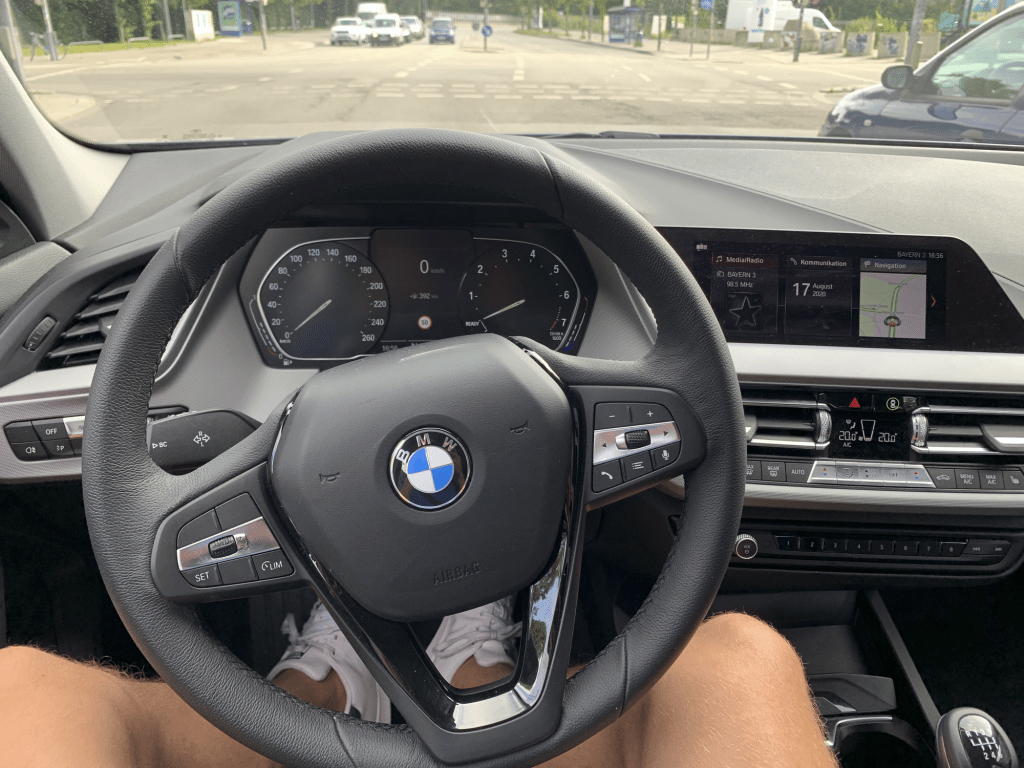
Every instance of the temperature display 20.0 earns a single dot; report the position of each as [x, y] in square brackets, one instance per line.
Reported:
[869, 436]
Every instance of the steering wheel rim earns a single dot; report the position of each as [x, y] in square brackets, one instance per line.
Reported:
[128, 498]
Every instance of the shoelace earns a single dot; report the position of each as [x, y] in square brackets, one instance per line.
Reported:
[317, 633]
[482, 633]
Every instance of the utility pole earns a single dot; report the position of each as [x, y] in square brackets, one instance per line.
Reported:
[693, 24]
[51, 38]
[799, 32]
[9, 42]
[167, 21]
[915, 28]
[590, 19]
[485, 4]
[660, 30]
[263, 23]
[711, 26]
[184, 16]
[295, 24]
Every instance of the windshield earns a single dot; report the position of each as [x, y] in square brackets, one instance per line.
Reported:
[146, 71]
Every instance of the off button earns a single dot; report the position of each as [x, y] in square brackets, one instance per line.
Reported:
[272, 565]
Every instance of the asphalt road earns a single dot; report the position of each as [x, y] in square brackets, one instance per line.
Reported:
[231, 88]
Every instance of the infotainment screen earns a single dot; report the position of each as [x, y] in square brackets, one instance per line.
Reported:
[871, 295]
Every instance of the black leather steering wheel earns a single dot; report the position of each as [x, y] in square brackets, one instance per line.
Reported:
[373, 558]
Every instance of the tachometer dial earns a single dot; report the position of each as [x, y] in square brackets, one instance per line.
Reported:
[324, 301]
[519, 289]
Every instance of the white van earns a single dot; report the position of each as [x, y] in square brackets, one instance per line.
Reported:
[759, 16]
[368, 11]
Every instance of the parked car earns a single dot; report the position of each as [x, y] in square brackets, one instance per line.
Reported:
[406, 33]
[349, 29]
[415, 26]
[972, 91]
[442, 31]
[387, 30]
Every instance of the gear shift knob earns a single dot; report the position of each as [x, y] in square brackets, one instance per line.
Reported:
[969, 738]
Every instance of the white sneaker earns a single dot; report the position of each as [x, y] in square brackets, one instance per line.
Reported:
[321, 647]
[485, 633]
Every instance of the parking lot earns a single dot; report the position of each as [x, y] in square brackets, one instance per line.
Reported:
[230, 88]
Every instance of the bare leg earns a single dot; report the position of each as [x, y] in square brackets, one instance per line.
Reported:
[735, 697]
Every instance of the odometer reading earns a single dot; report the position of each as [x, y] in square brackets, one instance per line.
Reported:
[324, 301]
[519, 289]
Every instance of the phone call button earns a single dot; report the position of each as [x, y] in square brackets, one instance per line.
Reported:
[607, 475]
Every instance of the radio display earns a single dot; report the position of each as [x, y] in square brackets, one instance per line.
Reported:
[852, 295]
[877, 436]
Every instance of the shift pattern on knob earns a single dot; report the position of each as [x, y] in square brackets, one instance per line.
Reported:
[970, 738]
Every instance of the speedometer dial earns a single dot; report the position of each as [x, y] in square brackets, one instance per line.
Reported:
[519, 289]
[324, 301]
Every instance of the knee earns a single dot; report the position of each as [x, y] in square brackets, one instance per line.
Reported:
[21, 667]
[748, 647]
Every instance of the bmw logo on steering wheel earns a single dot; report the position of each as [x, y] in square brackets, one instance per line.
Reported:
[429, 468]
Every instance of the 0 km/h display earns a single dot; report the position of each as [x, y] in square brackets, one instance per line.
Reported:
[519, 289]
[324, 301]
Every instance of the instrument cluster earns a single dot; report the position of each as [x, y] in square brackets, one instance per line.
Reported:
[317, 297]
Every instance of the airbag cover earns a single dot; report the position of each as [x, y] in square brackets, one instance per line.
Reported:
[331, 473]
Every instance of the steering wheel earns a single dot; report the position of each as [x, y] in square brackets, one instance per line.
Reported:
[323, 493]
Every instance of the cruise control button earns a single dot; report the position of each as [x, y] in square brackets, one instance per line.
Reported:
[952, 548]
[607, 476]
[203, 577]
[240, 509]
[662, 457]
[967, 479]
[636, 466]
[21, 432]
[272, 565]
[753, 471]
[1013, 480]
[203, 527]
[223, 547]
[773, 471]
[58, 449]
[610, 415]
[798, 473]
[648, 413]
[50, 429]
[29, 451]
[991, 480]
[943, 477]
[238, 571]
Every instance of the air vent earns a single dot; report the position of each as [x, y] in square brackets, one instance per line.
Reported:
[963, 427]
[81, 342]
[779, 420]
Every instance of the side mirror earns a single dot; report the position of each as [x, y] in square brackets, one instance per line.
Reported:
[897, 77]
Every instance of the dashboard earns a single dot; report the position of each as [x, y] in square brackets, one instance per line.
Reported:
[319, 296]
[882, 370]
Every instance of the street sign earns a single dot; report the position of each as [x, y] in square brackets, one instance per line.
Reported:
[486, 30]
[705, 5]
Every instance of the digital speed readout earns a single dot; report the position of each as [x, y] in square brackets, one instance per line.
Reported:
[869, 435]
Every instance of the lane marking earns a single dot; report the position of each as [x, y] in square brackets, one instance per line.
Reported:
[468, 95]
[546, 96]
[786, 85]
[766, 79]
[644, 77]
[507, 96]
